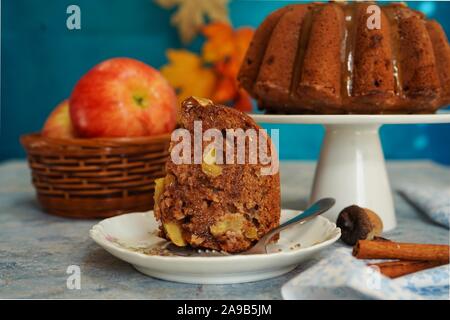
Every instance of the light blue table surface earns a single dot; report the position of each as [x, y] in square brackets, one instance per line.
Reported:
[36, 248]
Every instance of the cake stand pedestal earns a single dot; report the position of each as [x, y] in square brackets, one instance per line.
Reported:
[351, 166]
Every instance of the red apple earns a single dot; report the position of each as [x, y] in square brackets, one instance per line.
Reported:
[123, 97]
[58, 123]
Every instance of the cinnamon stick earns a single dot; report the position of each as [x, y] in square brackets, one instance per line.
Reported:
[366, 249]
[395, 269]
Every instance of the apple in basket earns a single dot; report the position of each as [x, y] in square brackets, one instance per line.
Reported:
[122, 97]
[58, 123]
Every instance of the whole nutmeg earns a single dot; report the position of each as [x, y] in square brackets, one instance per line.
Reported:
[358, 223]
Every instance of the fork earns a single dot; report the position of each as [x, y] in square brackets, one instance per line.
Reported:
[261, 246]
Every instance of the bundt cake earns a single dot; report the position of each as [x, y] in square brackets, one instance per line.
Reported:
[323, 58]
[224, 207]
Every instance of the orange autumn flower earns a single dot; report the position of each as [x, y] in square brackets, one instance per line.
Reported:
[225, 48]
[188, 75]
[223, 42]
[214, 73]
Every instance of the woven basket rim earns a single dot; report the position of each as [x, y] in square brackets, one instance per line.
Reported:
[129, 141]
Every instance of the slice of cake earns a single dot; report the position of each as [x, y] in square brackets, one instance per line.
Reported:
[208, 201]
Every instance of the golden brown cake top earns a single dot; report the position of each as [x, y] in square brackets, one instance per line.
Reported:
[348, 58]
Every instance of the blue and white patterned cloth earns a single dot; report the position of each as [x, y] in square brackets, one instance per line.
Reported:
[432, 201]
[341, 276]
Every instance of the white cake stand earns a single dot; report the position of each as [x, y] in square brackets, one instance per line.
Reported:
[351, 167]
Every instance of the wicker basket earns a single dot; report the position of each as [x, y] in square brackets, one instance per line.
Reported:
[95, 178]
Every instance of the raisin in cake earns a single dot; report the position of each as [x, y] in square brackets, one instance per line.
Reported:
[223, 207]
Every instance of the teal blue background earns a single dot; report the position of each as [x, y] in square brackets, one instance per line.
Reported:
[42, 60]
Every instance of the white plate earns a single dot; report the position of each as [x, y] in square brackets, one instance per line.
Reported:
[127, 236]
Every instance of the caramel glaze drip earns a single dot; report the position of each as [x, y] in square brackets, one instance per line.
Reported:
[348, 50]
[393, 22]
[303, 40]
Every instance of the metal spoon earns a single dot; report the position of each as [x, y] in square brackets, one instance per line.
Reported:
[261, 246]
[316, 209]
